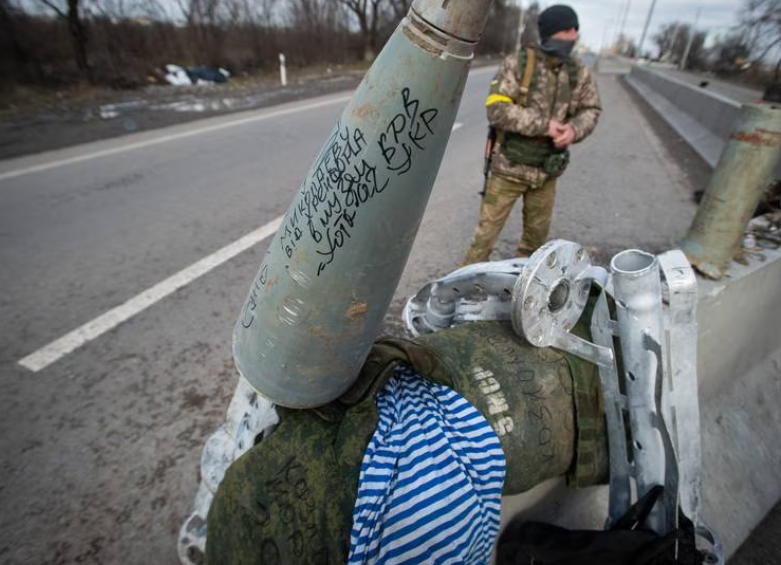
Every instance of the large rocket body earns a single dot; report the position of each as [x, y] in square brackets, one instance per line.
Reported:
[324, 286]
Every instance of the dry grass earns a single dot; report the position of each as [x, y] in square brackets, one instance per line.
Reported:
[21, 99]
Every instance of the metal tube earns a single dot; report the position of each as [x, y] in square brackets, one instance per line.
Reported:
[735, 189]
[328, 276]
[640, 324]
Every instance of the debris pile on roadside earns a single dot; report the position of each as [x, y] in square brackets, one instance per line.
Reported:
[764, 229]
[188, 76]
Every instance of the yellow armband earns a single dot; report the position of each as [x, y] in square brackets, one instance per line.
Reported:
[494, 98]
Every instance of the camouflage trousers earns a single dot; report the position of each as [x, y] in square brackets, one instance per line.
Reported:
[500, 196]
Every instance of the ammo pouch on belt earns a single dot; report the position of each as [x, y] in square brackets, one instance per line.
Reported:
[535, 152]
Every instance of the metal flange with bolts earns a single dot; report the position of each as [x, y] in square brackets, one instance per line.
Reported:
[644, 331]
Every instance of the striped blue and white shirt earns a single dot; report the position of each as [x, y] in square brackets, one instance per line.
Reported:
[431, 479]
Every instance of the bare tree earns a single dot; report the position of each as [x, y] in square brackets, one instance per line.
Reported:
[368, 14]
[696, 58]
[502, 27]
[316, 31]
[123, 43]
[18, 60]
[207, 35]
[530, 34]
[160, 10]
[399, 8]
[307, 15]
[760, 21]
[71, 13]
[261, 15]
[731, 53]
[672, 40]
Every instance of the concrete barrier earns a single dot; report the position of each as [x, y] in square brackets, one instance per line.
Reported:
[702, 117]
[739, 374]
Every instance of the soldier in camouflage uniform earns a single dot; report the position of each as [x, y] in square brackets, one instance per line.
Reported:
[535, 128]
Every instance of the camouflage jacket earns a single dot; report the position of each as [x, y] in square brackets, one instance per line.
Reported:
[547, 99]
[290, 499]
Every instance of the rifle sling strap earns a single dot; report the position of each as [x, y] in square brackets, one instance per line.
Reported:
[526, 80]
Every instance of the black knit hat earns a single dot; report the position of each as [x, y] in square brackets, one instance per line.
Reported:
[556, 18]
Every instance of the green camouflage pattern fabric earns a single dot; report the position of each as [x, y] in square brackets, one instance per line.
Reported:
[289, 499]
[550, 98]
[500, 197]
[527, 394]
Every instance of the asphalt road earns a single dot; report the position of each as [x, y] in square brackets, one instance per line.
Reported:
[101, 444]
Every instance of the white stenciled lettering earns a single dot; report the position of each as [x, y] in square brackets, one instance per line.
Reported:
[489, 385]
[496, 403]
[504, 426]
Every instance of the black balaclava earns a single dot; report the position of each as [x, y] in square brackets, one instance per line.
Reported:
[552, 20]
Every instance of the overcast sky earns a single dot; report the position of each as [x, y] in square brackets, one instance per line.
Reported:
[600, 20]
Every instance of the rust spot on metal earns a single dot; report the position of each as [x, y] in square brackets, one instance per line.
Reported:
[356, 310]
[318, 332]
[271, 282]
[417, 40]
[758, 137]
[367, 110]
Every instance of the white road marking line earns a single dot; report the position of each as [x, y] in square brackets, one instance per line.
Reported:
[59, 348]
[166, 139]
[93, 329]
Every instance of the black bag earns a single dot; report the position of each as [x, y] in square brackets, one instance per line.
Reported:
[628, 542]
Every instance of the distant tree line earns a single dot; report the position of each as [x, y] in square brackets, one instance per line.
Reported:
[751, 48]
[119, 43]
